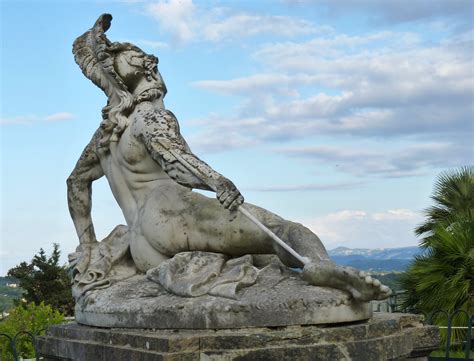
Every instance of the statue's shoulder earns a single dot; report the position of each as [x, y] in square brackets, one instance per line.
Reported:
[95, 143]
[156, 118]
[90, 154]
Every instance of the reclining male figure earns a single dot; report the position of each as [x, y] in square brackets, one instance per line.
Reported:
[135, 149]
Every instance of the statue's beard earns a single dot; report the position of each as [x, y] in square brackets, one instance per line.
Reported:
[149, 95]
[112, 129]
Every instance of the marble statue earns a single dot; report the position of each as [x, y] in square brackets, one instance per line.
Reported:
[189, 244]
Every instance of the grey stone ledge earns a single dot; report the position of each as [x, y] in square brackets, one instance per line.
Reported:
[384, 337]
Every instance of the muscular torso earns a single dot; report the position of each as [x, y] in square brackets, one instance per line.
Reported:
[131, 171]
[154, 190]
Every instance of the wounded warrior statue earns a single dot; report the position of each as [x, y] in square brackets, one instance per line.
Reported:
[184, 260]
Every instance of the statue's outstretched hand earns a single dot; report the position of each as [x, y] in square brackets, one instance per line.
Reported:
[228, 194]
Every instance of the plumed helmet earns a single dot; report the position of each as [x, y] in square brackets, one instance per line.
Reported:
[94, 54]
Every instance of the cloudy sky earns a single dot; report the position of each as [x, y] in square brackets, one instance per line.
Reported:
[336, 114]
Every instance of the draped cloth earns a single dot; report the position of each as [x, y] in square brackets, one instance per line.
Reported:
[193, 274]
[98, 265]
[101, 264]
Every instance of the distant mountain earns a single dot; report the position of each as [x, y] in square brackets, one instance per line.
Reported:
[378, 259]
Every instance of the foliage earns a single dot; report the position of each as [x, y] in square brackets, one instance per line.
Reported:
[453, 196]
[390, 279]
[8, 294]
[452, 355]
[442, 278]
[45, 280]
[31, 317]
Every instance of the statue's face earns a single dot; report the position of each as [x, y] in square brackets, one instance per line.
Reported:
[139, 71]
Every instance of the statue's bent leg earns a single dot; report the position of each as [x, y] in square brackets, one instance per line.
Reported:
[176, 220]
[321, 271]
[303, 241]
[143, 254]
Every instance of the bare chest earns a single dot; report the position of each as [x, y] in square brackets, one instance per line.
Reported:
[128, 156]
[131, 151]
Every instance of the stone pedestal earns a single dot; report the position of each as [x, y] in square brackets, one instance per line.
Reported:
[275, 300]
[384, 337]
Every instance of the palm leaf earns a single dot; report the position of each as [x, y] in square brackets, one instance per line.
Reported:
[453, 197]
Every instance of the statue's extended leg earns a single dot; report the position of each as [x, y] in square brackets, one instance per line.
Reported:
[360, 286]
[176, 220]
[322, 271]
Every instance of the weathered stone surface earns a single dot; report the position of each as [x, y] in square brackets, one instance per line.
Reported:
[188, 243]
[285, 300]
[384, 337]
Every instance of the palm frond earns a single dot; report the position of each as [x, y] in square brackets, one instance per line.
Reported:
[453, 196]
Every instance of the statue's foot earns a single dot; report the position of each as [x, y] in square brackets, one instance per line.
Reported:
[360, 286]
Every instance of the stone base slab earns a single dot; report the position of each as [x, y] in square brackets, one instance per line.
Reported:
[384, 337]
[274, 301]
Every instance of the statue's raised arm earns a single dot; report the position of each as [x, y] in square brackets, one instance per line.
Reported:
[160, 132]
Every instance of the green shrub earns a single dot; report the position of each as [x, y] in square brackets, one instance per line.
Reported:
[32, 318]
[45, 280]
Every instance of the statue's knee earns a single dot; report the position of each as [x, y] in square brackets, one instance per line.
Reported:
[119, 231]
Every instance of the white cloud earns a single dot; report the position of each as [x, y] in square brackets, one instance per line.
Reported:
[409, 160]
[153, 44]
[333, 46]
[457, 12]
[396, 214]
[271, 82]
[177, 17]
[244, 25]
[186, 22]
[345, 215]
[31, 118]
[381, 87]
[362, 229]
[378, 85]
[221, 134]
[307, 187]
[368, 159]
[56, 117]
[393, 86]
[213, 143]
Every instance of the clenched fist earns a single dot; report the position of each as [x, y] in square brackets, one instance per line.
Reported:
[228, 194]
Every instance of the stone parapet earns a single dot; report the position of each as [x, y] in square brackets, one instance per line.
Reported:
[384, 337]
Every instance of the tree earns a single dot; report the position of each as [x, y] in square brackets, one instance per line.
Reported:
[32, 318]
[453, 196]
[45, 280]
[442, 278]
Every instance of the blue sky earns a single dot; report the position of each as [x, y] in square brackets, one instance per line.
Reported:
[336, 114]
